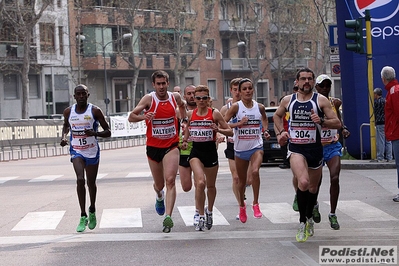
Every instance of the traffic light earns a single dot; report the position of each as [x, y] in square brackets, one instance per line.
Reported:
[356, 35]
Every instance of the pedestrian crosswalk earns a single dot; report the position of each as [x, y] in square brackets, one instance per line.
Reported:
[276, 213]
[55, 177]
[7, 178]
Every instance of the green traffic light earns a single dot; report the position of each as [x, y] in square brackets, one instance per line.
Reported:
[352, 23]
[355, 35]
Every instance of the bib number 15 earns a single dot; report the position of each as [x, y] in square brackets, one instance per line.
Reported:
[82, 142]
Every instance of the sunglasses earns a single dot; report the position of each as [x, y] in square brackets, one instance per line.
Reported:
[201, 98]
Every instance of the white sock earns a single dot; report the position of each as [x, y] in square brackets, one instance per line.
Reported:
[162, 196]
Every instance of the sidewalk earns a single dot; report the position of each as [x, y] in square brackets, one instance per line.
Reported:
[366, 164]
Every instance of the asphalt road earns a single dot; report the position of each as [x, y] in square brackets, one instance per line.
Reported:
[39, 214]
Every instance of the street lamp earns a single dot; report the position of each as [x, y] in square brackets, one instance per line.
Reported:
[221, 55]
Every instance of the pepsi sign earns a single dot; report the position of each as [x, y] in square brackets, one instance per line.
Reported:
[380, 10]
[354, 68]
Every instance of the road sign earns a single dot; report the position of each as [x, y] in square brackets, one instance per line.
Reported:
[334, 58]
[333, 30]
[335, 69]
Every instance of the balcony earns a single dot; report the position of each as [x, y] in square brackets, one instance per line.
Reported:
[151, 61]
[290, 64]
[14, 53]
[237, 25]
[101, 15]
[239, 64]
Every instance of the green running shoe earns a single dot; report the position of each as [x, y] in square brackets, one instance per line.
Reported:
[316, 214]
[92, 220]
[310, 227]
[301, 236]
[295, 204]
[82, 224]
[167, 224]
[333, 222]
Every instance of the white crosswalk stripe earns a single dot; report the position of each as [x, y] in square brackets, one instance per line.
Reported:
[121, 218]
[139, 174]
[280, 212]
[362, 212]
[45, 178]
[100, 176]
[40, 221]
[7, 178]
[187, 214]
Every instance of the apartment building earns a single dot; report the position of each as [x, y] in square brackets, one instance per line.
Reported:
[49, 58]
[113, 46]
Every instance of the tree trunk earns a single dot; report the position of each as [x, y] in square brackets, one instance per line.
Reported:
[25, 76]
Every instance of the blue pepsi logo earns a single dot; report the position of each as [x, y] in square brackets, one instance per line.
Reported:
[380, 10]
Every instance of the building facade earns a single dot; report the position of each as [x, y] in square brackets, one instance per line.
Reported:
[113, 46]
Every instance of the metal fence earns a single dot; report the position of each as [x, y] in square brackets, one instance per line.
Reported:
[27, 139]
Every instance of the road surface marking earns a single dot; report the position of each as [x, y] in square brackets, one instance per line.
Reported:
[5, 179]
[100, 176]
[362, 212]
[302, 256]
[139, 174]
[187, 214]
[45, 178]
[121, 218]
[279, 212]
[40, 221]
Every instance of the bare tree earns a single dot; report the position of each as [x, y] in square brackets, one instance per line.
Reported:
[20, 19]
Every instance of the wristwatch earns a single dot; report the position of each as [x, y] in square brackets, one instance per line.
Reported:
[321, 121]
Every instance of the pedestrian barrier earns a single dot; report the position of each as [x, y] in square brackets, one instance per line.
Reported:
[27, 139]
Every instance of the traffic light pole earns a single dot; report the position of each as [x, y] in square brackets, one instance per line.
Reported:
[369, 58]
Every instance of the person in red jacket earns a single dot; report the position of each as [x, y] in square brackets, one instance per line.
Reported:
[388, 77]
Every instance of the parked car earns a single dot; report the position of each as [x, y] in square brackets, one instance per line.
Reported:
[272, 150]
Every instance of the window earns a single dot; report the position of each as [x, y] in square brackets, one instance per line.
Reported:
[224, 10]
[61, 40]
[258, 11]
[242, 53]
[7, 32]
[261, 49]
[34, 86]
[61, 82]
[212, 88]
[210, 49]
[305, 15]
[262, 89]
[226, 48]
[184, 61]
[188, 6]
[208, 9]
[157, 42]
[240, 10]
[47, 43]
[10, 87]
[189, 80]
